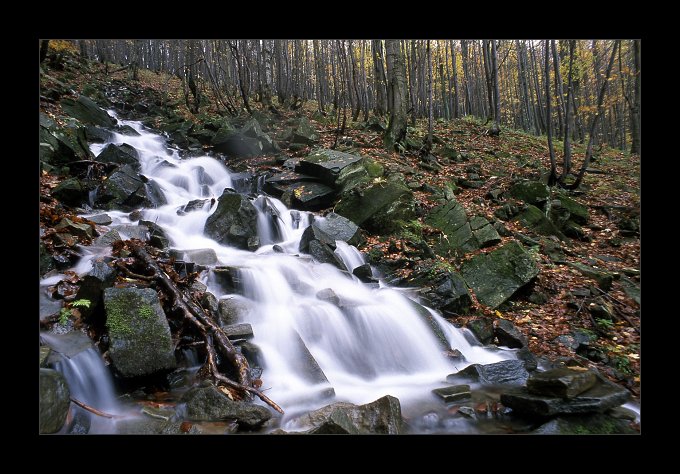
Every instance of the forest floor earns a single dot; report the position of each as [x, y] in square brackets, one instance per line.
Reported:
[499, 160]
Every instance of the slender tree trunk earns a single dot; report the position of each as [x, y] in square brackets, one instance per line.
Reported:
[559, 91]
[598, 114]
[567, 136]
[496, 128]
[487, 76]
[635, 110]
[456, 110]
[428, 142]
[396, 83]
[553, 164]
[379, 78]
[466, 77]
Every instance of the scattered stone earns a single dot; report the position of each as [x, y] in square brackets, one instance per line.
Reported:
[505, 372]
[534, 219]
[238, 331]
[531, 192]
[201, 256]
[305, 133]
[508, 335]
[232, 311]
[604, 279]
[107, 240]
[453, 393]
[72, 192]
[101, 219]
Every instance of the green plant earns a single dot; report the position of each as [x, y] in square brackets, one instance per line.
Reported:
[66, 312]
[622, 364]
[605, 324]
[64, 315]
[83, 303]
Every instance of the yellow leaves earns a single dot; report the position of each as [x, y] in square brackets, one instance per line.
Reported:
[498, 313]
[633, 356]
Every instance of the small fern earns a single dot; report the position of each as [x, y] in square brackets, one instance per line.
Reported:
[84, 303]
[64, 315]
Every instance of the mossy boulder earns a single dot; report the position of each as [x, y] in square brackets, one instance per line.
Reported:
[458, 234]
[531, 192]
[304, 133]
[327, 165]
[496, 276]
[120, 154]
[62, 145]
[577, 211]
[379, 206]
[234, 222]
[139, 335]
[534, 219]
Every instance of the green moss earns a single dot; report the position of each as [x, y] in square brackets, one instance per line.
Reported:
[374, 169]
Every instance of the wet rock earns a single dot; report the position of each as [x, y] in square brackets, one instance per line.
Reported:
[100, 277]
[279, 183]
[209, 302]
[329, 296]
[531, 192]
[132, 231]
[337, 422]
[234, 221]
[604, 279]
[238, 331]
[382, 416]
[207, 403]
[482, 328]
[529, 359]
[54, 401]
[327, 164]
[44, 354]
[601, 397]
[452, 220]
[232, 311]
[120, 154]
[364, 273]
[201, 256]
[496, 276]
[508, 335]
[453, 393]
[46, 263]
[101, 219]
[127, 130]
[427, 318]
[576, 339]
[85, 110]
[561, 382]
[157, 236]
[306, 366]
[96, 134]
[455, 297]
[123, 190]
[379, 207]
[195, 205]
[139, 335]
[61, 145]
[333, 227]
[505, 372]
[80, 424]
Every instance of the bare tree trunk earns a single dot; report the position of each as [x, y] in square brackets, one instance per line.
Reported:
[428, 142]
[598, 114]
[559, 91]
[553, 164]
[466, 77]
[567, 136]
[635, 109]
[379, 78]
[496, 128]
[396, 83]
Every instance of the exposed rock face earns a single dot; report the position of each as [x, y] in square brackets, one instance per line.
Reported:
[140, 340]
[234, 222]
[327, 164]
[85, 110]
[496, 276]
[319, 238]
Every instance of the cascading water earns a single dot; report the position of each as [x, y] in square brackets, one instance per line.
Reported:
[368, 341]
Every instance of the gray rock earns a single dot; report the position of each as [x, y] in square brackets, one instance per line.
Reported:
[577, 211]
[238, 331]
[139, 335]
[561, 382]
[453, 393]
[209, 302]
[364, 273]
[382, 416]
[85, 110]
[428, 319]
[601, 397]
[201, 256]
[96, 134]
[307, 367]
[496, 276]
[329, 296]
[333, 227]
[505, 372]
[101, 219]
[452, 220]
[482, 328]
[337, 422]
[73, 228]
[54, 401]
[304, 133]
[534, 219]
[584, 425]
[486, 236]
[124, 190]
[508, 335]
[278, 183]
[100, 277]
[309, 196]
[106, 240]
[232, 311]
[120, 154]
[455, 297]
[207, 403]
[234, 221]
[133, 231]
[327, 164]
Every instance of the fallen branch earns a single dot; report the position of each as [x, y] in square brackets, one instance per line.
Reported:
[131, 274]
[93, 410]
[205, 324]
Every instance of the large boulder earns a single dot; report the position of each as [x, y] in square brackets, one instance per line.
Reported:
[234, 221]
[126, 190]
[309, 196]
[54, 401]
[62, 145]
[382, 416]
[72, 192]
[120, 154]
[250, 140]
[140, 340]
[206, 403]
[531, 192]
[597, 424]
[496, 276]
[561, 382]
[327, 164]
[382, 207]
[279, 183]
[508, 335]
[85, 110]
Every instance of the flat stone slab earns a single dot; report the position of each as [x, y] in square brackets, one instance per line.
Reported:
[453, 393]
[561, 382]
[239, 331]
